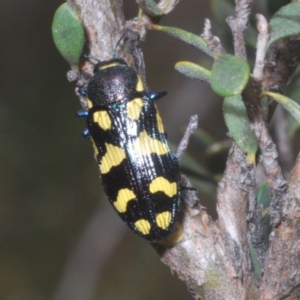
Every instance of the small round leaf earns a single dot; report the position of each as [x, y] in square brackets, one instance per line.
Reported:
[68, 34]
[229, 75]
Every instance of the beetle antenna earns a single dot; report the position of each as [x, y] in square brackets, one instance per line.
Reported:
[89, 58]
[118, 43]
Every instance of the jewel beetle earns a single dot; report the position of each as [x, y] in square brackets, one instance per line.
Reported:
[139, 173]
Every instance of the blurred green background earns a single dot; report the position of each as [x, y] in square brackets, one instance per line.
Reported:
[59, 237]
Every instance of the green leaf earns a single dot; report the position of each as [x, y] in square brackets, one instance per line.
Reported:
[229, 75]
[255, 260]
[291, 106]
[68, 34]
[185, 36]
[293, 125]
[263, 197]
[266, 228]
[285, 22]
[237, 122]
[193, 70]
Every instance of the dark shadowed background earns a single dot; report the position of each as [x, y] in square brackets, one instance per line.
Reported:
[50, 189]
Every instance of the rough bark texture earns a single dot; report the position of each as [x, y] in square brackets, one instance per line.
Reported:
[282, 275]
[213, 257]
[99, 17]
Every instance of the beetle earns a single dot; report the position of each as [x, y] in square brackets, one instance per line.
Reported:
[139, 173]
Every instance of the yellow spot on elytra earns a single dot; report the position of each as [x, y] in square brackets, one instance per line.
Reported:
[163, 219]
[160, 126]
[89, 103]
[124, 196]
[134, 108]
[139, 86]
[143, 226]
[146, 145]
[161, 184]
[103, 119]
[113, 157]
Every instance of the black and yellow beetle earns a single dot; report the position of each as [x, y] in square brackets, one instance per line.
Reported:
[139, 173]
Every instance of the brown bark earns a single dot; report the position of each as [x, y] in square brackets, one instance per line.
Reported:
[282, 277]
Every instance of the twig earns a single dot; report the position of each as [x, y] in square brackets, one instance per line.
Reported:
[154, 9]
[192, 126]
[213, 42]
[268, 152]
[238, 24]
[261, 47]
